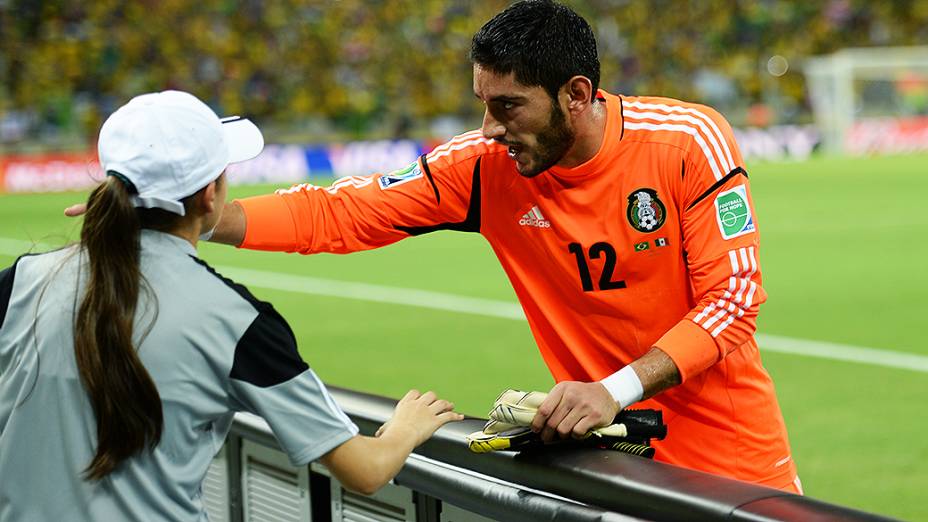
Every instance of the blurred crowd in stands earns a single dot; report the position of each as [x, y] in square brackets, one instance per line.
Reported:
[307, 69]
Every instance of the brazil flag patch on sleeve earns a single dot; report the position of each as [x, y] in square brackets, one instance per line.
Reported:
[734, 213]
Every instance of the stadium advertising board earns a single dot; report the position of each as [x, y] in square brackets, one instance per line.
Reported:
[887, 136]
[276, 164]
[284, 164]
[360, 158]
[49, 172]
[777, 143]
[294, 163]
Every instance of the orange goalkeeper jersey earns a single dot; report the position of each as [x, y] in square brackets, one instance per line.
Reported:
[652, 242]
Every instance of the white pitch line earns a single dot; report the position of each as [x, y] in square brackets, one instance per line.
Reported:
[843, 352]
[376, 293]
[506, 309]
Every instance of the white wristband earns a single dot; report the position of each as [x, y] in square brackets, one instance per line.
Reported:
[624, 386]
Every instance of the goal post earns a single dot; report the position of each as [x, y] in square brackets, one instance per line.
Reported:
[873, 99]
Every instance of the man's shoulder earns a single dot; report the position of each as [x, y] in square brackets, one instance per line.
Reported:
[655, 118]
[699, 131]
[672, 105]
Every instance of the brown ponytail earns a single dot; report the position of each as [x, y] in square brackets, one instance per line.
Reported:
[125, 400]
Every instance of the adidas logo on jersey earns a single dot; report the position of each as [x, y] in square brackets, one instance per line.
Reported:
[534, 218]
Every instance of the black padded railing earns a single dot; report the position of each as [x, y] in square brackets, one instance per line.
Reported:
[579, 484]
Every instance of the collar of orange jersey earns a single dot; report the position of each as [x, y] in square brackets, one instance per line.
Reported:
[615, 127]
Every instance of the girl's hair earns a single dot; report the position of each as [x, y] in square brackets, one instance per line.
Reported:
[125, 400]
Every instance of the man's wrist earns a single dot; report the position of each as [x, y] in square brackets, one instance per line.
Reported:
[624, 386]
[206, 236]
[230, 229]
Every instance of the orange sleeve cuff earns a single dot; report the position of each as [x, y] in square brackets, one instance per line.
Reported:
[691, 348]
[269, 224]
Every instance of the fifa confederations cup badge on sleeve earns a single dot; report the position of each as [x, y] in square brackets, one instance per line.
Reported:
[733, 212]
[645, 212]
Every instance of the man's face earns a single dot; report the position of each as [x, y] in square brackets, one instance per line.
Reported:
[525, 119]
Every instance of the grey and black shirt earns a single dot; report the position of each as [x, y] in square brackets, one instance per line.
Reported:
[211, 348]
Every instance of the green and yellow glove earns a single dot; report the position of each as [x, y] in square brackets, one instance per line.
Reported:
[509, 427]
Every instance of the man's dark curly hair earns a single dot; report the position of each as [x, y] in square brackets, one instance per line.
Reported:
[545, 43]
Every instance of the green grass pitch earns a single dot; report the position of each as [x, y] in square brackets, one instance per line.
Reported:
[843, 253]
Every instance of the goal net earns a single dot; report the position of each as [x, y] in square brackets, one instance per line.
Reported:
[871, 100]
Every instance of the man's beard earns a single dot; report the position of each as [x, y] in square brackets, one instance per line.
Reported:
[553, 143]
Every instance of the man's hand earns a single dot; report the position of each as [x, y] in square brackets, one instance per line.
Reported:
[76, 210]
[574, 408]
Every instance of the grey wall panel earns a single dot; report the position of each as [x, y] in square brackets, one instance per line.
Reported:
[444, 482]
[391, 504]
[272, 490]
[216, 488]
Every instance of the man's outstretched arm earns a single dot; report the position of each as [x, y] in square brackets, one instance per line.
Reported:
[230, 229]
[352, 214]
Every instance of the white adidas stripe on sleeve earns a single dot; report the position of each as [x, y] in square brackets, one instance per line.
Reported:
[462, 145]
[350, 181]
[455, 140]
[727, 166]
[716, 170]
[732, 305]
[717, 135]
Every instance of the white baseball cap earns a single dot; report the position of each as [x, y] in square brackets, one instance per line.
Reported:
[170, 145]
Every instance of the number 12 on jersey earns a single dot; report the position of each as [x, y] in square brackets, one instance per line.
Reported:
[596, 251]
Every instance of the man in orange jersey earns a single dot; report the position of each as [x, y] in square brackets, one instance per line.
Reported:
[625, 224]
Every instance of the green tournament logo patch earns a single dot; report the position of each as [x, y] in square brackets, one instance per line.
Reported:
[734, 213]
[401, 176]
[645, 212]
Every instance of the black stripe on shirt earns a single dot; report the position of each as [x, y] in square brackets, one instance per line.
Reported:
[6, 289]
[266, 354]
[471, 221]
[428, 174]
[717, 185]
[621, 117]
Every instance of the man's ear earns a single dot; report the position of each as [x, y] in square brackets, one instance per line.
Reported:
[579, 93]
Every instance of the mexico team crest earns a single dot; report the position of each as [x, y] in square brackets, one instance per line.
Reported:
[646, 212]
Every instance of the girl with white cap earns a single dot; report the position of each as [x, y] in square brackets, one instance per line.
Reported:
[123, 358]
